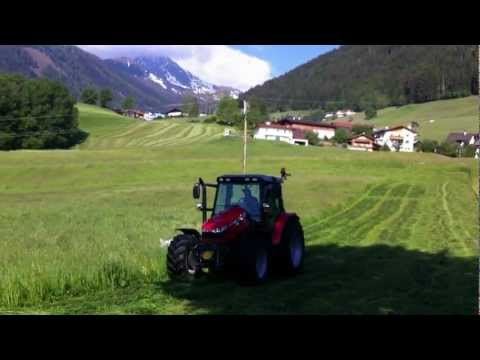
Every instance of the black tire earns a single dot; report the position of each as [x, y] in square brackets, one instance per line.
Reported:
[254, 262]
[180, 263]
[291, 251]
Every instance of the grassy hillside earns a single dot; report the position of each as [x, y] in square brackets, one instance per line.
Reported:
[449, 115]
[80, 230]
[109, 130]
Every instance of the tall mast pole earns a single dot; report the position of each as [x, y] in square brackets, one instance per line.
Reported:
[245, 105]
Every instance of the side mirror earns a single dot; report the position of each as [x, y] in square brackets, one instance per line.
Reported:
[196, 191]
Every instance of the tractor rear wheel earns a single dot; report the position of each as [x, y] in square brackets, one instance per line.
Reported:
[292, 248]
[181, 262]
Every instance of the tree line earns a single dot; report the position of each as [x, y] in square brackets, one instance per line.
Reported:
[37, 114]
[230, 112]
[370, 77]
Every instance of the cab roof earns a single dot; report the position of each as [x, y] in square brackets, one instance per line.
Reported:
[249, 178]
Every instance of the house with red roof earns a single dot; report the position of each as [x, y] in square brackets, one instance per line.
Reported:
[362, 142]
[137, 114]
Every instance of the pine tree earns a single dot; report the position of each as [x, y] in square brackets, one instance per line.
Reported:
[89, 96]
[105, 97]
[128, 103]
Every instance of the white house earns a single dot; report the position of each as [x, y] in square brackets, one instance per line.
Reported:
[175, 113]
[149, 116]
[273, 132]
[325, 133]
[398, 138]
[280, 133]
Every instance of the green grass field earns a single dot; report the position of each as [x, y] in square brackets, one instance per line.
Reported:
[81, 230]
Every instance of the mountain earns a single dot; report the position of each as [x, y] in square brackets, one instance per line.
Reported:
[156, 84]
[359, 76]
[171, 77]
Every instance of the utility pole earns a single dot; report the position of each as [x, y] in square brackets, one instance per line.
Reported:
[245, 107]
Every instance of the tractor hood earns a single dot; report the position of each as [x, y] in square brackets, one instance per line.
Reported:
[228, 222]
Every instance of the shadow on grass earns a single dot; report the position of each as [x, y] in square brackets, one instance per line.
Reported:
[348, 280]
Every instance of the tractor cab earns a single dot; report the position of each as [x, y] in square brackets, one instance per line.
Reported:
[259, 196]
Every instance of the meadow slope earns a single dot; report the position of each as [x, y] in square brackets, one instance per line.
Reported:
[80, 230]
[111, 131]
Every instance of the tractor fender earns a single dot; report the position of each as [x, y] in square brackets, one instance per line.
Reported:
[190, 232]
[280, 224]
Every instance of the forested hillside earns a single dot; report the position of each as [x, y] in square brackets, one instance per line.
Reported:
[359, 76]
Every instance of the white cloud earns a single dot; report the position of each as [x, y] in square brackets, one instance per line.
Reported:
[217, 64]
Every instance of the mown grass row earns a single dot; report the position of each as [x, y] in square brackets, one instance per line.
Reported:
[110, 131]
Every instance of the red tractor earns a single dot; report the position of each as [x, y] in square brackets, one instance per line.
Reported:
[248, 231]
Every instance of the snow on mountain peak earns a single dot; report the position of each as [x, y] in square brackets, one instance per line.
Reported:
[173, 79]
[157, 80]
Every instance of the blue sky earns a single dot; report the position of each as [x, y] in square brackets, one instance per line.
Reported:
[284, 58]
[238, 66]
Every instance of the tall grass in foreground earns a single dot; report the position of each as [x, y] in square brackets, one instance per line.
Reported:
[82, 246]
[23, 288]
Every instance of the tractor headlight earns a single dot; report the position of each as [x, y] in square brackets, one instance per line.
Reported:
[208, 255]
[220, 229]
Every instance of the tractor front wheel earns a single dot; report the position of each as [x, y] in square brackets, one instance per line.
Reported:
[292, 248]
[181, 261]
[254, 262]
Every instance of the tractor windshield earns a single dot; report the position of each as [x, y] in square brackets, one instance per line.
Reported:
[246, 196]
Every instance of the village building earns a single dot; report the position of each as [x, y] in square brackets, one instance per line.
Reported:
[269, 131]
[175, 113]
[398, 138]
[136, 114]
[477, 148]
[149, 116]
[323, 130]
[362, 143]
[463, 138]
[299, 138]
[343, 124]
